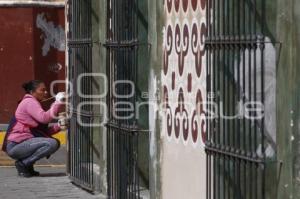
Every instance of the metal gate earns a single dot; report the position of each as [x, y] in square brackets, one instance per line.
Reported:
[123, 131]
[235, 142]
[80, 134]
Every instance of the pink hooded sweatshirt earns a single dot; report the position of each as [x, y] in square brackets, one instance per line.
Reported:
[28, 115]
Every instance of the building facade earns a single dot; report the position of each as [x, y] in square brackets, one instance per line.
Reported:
[184, 98]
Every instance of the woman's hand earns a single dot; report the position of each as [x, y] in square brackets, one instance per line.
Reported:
[60, 97]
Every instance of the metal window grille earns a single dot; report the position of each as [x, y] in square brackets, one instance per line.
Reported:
[235, 146]
[80, 137]
[123, 131]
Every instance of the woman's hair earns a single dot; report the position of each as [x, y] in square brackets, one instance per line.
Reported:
[31, 86]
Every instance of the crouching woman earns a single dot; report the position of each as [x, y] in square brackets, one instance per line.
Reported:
[28, 137]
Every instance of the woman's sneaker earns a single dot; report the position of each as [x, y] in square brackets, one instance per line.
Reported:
[32, 171]
[22, 170]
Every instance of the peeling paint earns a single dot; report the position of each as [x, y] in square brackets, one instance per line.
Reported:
[54, 36]
[152, 120]
[292, 138]
[56, 67]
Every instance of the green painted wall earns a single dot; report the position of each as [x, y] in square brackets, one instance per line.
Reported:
[155, 37]
[271, 179]
[99, 66]
[288, 101]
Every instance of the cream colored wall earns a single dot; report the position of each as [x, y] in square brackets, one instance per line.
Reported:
[183, 172]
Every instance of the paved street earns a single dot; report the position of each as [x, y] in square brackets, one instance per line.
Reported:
[53, 183]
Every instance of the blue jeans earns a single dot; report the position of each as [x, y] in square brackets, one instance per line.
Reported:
[32, 150]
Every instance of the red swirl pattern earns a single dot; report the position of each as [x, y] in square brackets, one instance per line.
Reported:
[185, 4]
[181, 116]
[168, 110]
[168, 49]
[184, 40]
[196, 48]
[181, 46]
[201, 122]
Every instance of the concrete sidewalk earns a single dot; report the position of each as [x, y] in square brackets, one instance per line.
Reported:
[53, 183]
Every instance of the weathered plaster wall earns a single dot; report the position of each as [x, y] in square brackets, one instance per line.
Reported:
[99, 13]
[155, 38]
[32, 46]
[288, 97]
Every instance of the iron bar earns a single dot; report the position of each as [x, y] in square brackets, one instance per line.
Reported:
[122, 45]
[80, 138]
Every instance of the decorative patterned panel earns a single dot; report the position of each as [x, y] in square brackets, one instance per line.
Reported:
[184, 72]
